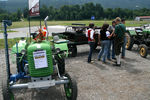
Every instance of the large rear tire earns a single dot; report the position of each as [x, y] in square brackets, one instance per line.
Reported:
[4, 82]
[71, 88]
[143, 51]
[130, 41]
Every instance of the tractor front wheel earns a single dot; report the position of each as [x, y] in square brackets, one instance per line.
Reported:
[130, 41]
[143, 51]
[73, 50]
[71, 88]
[4, 85]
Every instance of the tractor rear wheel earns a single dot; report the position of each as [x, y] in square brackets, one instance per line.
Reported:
[71, 88]
[130, 41]
[4, 85]
[143, 51]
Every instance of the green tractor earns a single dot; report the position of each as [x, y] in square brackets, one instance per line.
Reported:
[141, 37]
[41, 62]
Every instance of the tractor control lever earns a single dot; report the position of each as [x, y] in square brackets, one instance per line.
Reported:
[33, 35]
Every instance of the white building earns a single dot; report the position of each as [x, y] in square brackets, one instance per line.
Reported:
[142, 18]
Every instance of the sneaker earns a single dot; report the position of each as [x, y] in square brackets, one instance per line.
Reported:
[117, 65]
[114, 58]
[91, 61]
[104, 62]
[109, 59]
[123, 57]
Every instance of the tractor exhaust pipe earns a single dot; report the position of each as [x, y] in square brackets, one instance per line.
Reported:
[45, 21]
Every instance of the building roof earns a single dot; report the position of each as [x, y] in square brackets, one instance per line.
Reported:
[144, 16]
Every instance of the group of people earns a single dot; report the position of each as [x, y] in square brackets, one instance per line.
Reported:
[112, 40]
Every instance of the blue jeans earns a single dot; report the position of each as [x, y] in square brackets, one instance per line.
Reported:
[111, 43]
[124, 47]
[104, 50]
[91, 44]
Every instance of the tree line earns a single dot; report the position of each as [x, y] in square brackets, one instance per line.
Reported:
[77, 12]
[5, 15]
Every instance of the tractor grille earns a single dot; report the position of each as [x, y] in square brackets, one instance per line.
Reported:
[42, 72]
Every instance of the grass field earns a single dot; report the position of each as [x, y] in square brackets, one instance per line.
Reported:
[8, 31]
[97, 23]
[11, 42]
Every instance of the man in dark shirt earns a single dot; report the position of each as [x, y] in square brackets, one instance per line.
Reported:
[119, 39]
[124, 44]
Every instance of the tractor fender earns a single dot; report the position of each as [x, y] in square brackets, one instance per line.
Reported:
[21, 46]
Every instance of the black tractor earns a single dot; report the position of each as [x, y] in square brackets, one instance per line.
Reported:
[76, 36]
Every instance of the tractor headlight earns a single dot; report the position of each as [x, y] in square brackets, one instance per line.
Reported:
[58, 50]
[23, 52]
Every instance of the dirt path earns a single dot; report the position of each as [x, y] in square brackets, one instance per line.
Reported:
[99, 81]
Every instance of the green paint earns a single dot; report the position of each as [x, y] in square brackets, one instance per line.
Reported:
[12, 96]
[44, 45]
[132, 32]
[147, 31]
[68, 91]
[62, 44]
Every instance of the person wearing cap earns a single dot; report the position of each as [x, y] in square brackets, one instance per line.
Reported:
[119, 39]
[124, 44]
[91, 41]
[111, 44]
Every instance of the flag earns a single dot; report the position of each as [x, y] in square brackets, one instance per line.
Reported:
[34, 8]
[44, 31]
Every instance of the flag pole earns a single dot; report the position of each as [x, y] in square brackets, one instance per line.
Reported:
[29, 20]
[39, 14]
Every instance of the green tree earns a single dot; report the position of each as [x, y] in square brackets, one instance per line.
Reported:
[44, 11]
[19, 14]
[25, 12]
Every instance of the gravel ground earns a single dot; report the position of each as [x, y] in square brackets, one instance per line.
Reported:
[99, 81]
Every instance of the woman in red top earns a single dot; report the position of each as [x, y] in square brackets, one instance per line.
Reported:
[91, 41]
